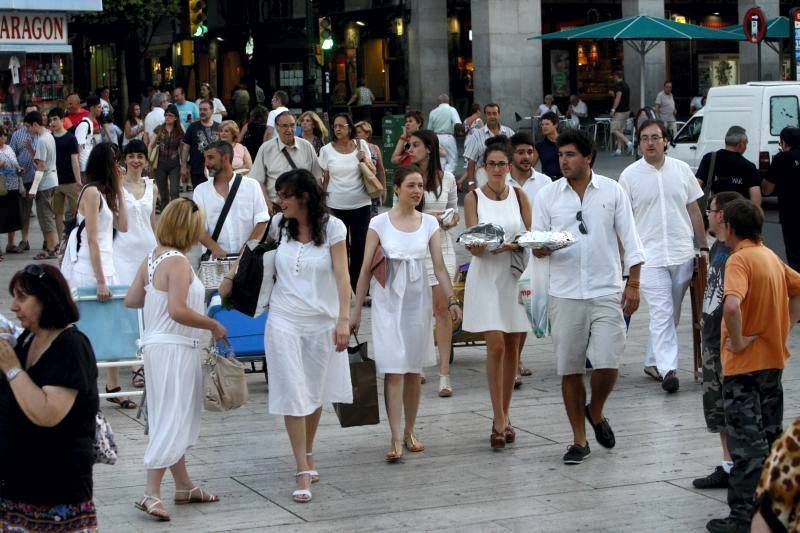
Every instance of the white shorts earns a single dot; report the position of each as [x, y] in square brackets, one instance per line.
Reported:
[581, 329]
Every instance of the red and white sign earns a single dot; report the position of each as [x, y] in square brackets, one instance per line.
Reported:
[30, 27]
[755, 25]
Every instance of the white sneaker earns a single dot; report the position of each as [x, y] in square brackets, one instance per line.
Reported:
[630, 146]
[445, 389]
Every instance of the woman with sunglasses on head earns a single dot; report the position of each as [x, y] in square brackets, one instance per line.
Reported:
[347, 196]
[440, 194]
[173, 299]
[218, 109]
[89, 255]
[490, 298]
[309, 313]
[402, 336]
[48, 403]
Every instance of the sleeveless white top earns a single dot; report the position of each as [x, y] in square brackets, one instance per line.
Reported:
[105, 240]
[132, 246]
[156, 313]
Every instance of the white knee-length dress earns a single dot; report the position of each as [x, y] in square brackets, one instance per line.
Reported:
[132, 246]
[76, 266]
[303, 366]
[402, 312]
[437, 203]
[491, 293]
[174, 384]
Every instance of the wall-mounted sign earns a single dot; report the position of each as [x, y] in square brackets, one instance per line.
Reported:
[31, 27]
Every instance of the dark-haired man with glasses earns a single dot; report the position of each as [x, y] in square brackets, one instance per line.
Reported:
[663, 193]
[587, 295]
[281, 154]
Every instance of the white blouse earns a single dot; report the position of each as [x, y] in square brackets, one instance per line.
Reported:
[345, 187]
[305, 285]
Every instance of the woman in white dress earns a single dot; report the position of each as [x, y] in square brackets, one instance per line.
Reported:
[173, 300]
[140, 194]
[89, 258]
[309, 317]
[490, 298]
[402, 335]
[440, 194]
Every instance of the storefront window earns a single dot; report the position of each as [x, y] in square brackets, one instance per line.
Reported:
[40, 79]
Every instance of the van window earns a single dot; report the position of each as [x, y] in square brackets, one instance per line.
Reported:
[690, 133]
[783, 111]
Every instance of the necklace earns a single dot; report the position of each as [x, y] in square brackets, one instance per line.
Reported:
[496, 194]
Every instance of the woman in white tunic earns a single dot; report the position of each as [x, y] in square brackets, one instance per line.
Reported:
[309, 314]
[490, 297]
[440, 194]
[402, 335]
[173, 301]
[88, 258]
[131, 247]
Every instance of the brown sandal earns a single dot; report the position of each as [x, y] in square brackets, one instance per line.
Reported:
[394, 456]
[510, 434]
[123, 403]
[497, 440]
[412, 444]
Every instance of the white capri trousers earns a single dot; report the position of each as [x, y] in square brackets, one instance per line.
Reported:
[448, 142]
[663, 288]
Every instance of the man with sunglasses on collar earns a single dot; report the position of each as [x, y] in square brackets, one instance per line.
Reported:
[663, 193]
[587, 295]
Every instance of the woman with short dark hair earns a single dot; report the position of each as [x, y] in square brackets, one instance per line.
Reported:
[48, 403]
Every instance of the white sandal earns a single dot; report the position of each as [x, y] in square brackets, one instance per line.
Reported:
[445, 388]
[314, 473]
[162, 516]
[302, 495]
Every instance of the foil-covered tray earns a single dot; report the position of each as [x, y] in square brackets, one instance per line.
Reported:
[489, 235]
[552, 240]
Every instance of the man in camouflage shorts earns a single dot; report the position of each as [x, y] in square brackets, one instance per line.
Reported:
[713, 409]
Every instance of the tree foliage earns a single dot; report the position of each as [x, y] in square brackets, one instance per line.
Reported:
[132, 14]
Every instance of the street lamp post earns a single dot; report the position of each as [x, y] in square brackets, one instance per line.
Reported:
[310, 90]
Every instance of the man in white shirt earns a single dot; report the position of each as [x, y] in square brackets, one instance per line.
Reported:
[587, 293]
[442, 120]
[85, 133]
[273, 157]
[248, 216]
[663, 193]
[155, 117]
[45, 182]
[279, 101]
[475, 176]
[665, 107]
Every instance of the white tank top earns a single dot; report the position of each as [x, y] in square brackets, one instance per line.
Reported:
[105, 239]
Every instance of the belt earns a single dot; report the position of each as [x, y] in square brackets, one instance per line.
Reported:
[167, 338]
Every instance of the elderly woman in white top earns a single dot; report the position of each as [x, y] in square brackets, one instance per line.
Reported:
[401, 310]
[308, 324]
[440, 194]
[341, 180]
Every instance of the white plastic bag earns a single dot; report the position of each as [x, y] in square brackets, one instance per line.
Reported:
[534, 285]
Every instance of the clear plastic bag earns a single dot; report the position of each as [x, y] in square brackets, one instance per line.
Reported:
[534, 285]
[9, 331]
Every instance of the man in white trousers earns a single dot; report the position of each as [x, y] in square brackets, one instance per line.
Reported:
[664, 193]
[442, 120]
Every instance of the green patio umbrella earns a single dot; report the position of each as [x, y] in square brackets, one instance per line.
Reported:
[777, 29]
[642, 33]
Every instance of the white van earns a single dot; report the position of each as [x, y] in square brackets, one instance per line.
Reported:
[762, 108]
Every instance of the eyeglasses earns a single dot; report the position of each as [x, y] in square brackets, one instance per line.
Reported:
[284, 195]
[496, 164]
[35, 270]
[645, 139]
[581, 225]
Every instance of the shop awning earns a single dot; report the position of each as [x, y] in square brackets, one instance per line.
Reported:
[36, 48]
[777, 28]
[53, 5]
[642, 33]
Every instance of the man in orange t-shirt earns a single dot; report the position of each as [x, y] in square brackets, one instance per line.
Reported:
[761, 304]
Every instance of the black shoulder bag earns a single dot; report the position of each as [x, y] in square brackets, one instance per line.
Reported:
[223, 214]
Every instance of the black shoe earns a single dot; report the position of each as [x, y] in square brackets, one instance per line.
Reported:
[576, 454]
[718, 479]
[602, 431]
[670, 383]
[727, 525]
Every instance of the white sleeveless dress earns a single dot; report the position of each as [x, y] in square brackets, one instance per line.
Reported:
[490, 294]
[132, 246]
[76, 266]
[402, 312]
[174, 384]
[447, 198]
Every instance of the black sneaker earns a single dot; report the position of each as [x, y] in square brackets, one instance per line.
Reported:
[602, 431]
[576, 454]
[727, 525]
[718, 479]
[670, 383]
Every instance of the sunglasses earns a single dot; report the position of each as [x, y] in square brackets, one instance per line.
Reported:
[35, 270]
[581, 225]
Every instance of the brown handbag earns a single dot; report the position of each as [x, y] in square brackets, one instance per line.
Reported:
[374, 187]
[379, 266]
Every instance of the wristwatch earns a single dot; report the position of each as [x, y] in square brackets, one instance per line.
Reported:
[12, 373]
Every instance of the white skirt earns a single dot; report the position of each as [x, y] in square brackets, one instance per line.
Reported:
[303, 367]
[76, 280]
[174, 388]
[449, 256]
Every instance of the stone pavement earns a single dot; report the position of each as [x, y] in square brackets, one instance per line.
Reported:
[457, 483]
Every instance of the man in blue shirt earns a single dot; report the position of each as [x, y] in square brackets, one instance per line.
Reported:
[188, 110]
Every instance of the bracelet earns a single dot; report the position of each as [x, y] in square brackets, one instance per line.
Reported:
[633, 284]
[226, 277]
[454, 304]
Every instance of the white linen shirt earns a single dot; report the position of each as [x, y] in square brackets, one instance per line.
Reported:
[659, 199]
[270, 163]
[476, 142]
[591, 267]
[535, 183]
[248, 209]
[443, 119]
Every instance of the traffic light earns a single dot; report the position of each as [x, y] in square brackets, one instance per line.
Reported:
[197, 18]
[325, 33]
